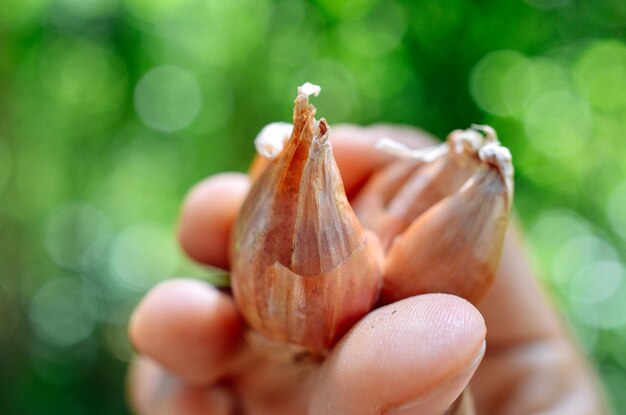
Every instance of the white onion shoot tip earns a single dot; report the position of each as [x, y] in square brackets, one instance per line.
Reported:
[271, 139]
[309, 89]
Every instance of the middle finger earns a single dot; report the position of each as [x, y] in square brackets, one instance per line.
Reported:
[190, 328]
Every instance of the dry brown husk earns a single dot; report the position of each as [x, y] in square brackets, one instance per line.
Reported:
[303, 271]
[401, 192]
[455, 246]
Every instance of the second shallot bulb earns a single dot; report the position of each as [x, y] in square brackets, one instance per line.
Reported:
[454, 247]
[401, 192]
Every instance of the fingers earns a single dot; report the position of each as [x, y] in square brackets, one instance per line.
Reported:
[190, 328]
[207, 217]
[529, 346]
[545, 376]
[411, 357]
[515, 309]
[356, 155]
[152, 391]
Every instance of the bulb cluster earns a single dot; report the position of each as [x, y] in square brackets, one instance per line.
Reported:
[304, 267]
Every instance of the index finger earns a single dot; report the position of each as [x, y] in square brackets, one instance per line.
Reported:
[354, 148]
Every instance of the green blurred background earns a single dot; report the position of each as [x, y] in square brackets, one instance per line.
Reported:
[110, 110]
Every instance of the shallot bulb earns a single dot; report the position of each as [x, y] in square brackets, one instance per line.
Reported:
[303, 270]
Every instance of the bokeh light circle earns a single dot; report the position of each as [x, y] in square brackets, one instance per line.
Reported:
[77, 235]
[558, 124]
[609, 313]
[596, 281]
[600, 74]
[505, 82]
[61, 312]
[376, 34]
[168, 98]
[550, 232]
[579, 252]
[491, 79]
[143, 255]
[84, 76]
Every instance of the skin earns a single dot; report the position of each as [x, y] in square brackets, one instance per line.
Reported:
[415, 356]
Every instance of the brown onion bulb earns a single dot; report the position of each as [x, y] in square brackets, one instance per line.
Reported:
[455, 246]
[303, 271]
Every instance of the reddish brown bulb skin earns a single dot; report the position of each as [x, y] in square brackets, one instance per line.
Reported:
[303, 270]
[257, 167]
[313, 311]
[401, 192]
[455, 246]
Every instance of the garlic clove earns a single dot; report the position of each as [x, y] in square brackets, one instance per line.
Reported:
[303, 270]
[455, 246]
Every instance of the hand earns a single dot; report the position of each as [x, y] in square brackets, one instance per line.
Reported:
[415, 356]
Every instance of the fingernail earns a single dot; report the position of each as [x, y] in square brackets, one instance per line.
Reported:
[438, 401]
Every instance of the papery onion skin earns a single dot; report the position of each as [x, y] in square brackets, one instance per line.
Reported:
[397, 195]
[455, 246]
[303, 270]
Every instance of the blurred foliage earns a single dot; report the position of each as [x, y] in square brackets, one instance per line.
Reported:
[110, 110]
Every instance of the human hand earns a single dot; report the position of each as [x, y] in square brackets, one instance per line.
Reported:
[414, 356]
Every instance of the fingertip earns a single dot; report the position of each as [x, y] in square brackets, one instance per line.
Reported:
[207, 217]
[402, 352]
[189, 327]
[426, 325]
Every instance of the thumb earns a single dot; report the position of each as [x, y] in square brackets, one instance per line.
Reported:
[415, 356]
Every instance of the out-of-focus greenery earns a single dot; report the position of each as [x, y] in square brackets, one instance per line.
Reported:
[110, 110]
